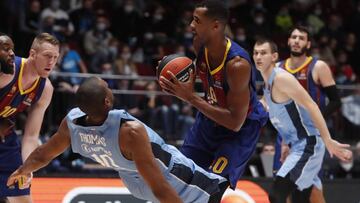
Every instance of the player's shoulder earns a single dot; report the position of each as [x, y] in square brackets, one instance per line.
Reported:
[283, 76]
[320, 64]
[132, 126]
[238, 63]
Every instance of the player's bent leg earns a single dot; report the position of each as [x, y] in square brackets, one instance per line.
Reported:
[281, 189]
[20, 199]
[301, 196]
[317, 196]
[216, 198]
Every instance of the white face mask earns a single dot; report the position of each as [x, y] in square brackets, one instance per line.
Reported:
[158, 17]
[149, 36]
[181, 53]
[126, 56]
[128, 8]
[101, 26]
[347, 166]
[241, 38]
[318, 12]
[188, 35]
[259, 20]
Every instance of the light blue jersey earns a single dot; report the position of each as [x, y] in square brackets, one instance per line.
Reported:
[101, 143]
[294, 123]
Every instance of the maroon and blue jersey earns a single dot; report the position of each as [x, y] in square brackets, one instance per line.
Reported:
[303, 74]
[214, 81]
[212, 146]
[13, 100]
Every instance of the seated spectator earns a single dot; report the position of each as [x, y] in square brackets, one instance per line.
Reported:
[83, 18]
[62, 26]
[70, 62]
[96, 43]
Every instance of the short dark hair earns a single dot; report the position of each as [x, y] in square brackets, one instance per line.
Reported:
[216, 9]
[272, 44]
[301, 28]
[90, 96]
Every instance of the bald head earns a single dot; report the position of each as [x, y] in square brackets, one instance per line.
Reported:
[91, 96]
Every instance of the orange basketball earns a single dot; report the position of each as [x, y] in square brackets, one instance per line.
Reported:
[177, 64]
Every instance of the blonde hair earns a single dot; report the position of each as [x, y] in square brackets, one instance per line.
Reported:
[42, 38]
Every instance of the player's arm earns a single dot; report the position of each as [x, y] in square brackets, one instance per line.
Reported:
[326, 80]
[135, 145]
[287, 84]
[42, 155]
[34, 121]
[238, 73]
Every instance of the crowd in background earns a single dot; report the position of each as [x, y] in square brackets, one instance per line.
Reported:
[129, 37]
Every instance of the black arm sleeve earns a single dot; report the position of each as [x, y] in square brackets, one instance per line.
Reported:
[334, 100]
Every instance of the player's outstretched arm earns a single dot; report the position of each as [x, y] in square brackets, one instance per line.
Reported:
[42, 155]
[287, 84]
[135, 145]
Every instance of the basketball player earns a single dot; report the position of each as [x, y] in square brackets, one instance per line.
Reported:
[226, 129]
[27, 88]
[150, 169]
[299, 121]
[315, 76]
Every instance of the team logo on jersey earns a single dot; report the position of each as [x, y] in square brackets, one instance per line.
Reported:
[218, 84]
[302, 75]
[29, 99]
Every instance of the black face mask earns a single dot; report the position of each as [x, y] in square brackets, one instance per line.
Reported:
[5, 67]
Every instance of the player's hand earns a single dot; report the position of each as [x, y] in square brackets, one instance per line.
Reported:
[182, 90]
[5, 127]
[340, 150]
[23, 180]
[285, 149]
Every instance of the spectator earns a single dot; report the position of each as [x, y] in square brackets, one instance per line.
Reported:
[62, 26]
[96, 43]
[70, 62]
[128, 17]
[29, 23]
[83, 18]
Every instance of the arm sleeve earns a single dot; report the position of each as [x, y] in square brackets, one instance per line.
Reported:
[334, 100]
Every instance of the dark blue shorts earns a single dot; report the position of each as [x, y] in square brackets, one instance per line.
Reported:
[10, 160]
[220, 150]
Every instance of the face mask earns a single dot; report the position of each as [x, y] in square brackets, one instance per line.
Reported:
[347, 166]
[126, 56]
[158, 17]
[188, 35]
[316, 55]
[181, 53]
[55, 5]
[241, 38]
[318, 12]
[66, 48]
[113, 50]
[100, 26]
[259, 20]
[149, 36]
[128, 8]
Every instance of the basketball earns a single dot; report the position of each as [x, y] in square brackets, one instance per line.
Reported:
[179, 65]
